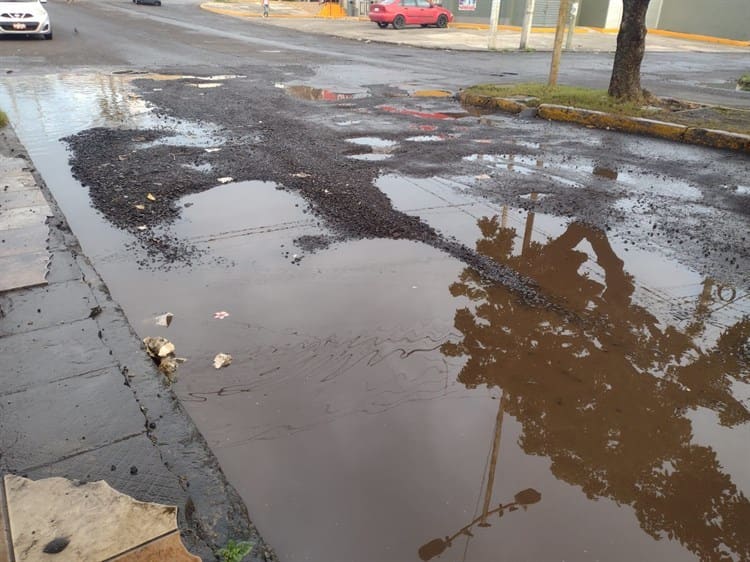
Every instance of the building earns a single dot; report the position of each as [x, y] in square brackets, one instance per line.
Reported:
[728, 19]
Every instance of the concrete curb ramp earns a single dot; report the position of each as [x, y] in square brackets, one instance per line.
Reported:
[611, 122]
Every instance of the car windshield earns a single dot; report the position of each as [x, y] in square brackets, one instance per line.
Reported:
[388, 2]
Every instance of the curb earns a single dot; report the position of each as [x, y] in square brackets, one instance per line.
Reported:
[508, 105]
[711, 138]
[176, 463]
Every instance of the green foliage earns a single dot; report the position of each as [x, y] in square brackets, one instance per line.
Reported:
[3, 120]
[744, 82]
[234, 551]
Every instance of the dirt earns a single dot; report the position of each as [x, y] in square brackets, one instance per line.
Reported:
[265, 140]
[267, 134]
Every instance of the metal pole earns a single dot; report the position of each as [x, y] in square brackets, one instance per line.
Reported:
[528, 18]
[494, 17]
[559, 36]
[572, 25]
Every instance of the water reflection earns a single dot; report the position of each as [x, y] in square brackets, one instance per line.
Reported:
[607, 399]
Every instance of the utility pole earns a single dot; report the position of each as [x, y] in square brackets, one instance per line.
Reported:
[572, 25]
[562, 17]
[494, 17]
[528, 18]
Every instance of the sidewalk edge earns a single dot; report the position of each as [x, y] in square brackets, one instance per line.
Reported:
[676, 132]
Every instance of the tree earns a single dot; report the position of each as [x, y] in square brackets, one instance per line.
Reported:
[631, 45]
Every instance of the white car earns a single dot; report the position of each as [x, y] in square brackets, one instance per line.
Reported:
[24, 17]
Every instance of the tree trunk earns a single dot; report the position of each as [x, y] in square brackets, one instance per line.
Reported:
[631, 45]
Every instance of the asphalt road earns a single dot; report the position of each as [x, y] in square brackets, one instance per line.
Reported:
[119, 34]
[435, 319]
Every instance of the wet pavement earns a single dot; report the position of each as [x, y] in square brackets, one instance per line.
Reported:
[453, 335]
[388, 402]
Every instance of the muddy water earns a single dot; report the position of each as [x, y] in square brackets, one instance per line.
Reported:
[387, 404]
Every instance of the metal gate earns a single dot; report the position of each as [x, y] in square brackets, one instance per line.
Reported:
[546, 12]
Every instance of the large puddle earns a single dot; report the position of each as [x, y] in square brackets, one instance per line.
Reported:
[385, 403]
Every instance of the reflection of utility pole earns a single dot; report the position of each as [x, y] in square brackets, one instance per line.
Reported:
[557, 48]
[522, 499]
[528, 18]
[529, 227]
[493, 462]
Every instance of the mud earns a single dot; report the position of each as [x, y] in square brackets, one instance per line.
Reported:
[268, 140]
[387, 392]
[297, 155]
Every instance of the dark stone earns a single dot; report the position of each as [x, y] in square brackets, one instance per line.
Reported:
[55, 546]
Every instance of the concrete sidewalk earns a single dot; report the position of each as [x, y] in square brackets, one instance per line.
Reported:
[81, 400]
[301, 16]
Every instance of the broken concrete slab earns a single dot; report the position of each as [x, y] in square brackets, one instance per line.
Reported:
[82, 521]
[165, 548]
[150, 481]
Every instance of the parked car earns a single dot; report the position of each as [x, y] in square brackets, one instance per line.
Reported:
[399, 13]
[24, 17]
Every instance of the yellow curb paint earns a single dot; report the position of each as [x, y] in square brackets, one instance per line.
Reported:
[703, 38]
[686, 36]
[638, 125]
[603, 120]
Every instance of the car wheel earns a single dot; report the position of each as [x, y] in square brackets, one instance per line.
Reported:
[442, 20]
[382, 24]
[399, 22]
[48, 36]
[158, 3]
[423, 25]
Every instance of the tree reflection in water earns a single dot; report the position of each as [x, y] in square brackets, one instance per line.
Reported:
[607, 398]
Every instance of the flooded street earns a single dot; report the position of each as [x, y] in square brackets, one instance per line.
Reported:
[454, 336]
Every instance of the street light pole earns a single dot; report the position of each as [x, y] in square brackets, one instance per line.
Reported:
[494, 17]
[559, 36]
[528, 18]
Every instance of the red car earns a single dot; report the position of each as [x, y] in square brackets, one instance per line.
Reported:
[409, 12]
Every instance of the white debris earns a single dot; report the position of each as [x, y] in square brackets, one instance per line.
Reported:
[164, 319]
[222, 360]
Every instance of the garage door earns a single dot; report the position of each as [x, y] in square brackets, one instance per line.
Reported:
[545, 13]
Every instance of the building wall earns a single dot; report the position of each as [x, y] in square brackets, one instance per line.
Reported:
[511, 12]
[719, 18]
[653, 14]
[593, 13]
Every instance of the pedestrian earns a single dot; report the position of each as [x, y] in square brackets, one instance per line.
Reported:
[266, 4]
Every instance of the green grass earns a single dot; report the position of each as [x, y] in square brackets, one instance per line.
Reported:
[694, 115]
[234, 551]
[744, 82]
[3, 120]
[585, 98]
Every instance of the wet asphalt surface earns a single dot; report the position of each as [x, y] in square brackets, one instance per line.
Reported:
[436, 318]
